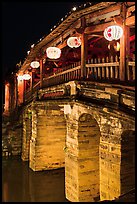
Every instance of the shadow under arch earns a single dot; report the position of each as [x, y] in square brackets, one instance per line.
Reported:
[127, 171]
[88, 142]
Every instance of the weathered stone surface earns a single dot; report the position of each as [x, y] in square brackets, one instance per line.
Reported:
[95, 142]
[49, 130]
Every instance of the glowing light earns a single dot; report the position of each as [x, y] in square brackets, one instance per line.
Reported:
[74, 8]
[53, 52]
[73, 42]
[20, 77]
[34, 64]
[28, 52]
[118, 46]
[113, 32]
[26, 76]
[32, 46]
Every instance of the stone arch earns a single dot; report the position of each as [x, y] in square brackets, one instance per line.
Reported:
[127, 170]
[88, 159]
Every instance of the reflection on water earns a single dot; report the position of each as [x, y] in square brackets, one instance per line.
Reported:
[21, 184]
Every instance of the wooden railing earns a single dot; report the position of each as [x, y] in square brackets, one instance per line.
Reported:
[131, 71]
[104, 69]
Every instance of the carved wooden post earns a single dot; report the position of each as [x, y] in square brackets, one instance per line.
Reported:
[83, 48]
[124, 46]
[24, 90]
[41, 72]
[16, 90]
[31, 80]
[20, 91]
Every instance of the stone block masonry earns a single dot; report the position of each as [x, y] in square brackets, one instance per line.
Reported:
[48, 137]
[96, 145]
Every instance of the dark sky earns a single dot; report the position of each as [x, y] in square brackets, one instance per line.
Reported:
[24, 23]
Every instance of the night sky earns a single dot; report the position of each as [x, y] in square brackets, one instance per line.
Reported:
[24, 23]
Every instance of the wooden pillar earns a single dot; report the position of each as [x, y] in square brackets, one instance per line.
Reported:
[16, 90]
[20, 91]
[124, 46]
[41, 72]
[25, 88]
[7, 97]
[83, 49]
[31, 81]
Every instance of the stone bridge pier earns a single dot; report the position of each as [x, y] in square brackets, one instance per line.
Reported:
[95, 144]
[100, 149]
[46, 136]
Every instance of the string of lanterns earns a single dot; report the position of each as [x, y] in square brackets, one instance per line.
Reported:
[110, 33]
[72, 10]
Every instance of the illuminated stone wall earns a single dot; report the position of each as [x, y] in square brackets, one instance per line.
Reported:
[93, 140]
[82, 156]
[93, 174]
[27, 132]
[11, 138]
[48, 137]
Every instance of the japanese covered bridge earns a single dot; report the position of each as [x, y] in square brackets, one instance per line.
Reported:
[71, 103]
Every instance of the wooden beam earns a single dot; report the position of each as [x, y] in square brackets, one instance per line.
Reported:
[109, 9]
[130, 21]
[98, 27]
[129, 11]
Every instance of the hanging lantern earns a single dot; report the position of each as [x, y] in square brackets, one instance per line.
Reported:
[35, 64]
[26, 76]
[74, 42]
[113, 32]
[20, 77]
[53, 52]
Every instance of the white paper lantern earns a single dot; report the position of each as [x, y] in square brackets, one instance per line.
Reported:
[53, 52]
[114, 32]
[74, 42]
[20, 77]
[35, 64]
[26, 76]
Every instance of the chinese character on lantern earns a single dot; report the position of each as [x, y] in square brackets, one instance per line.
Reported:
[74, 42]
[53, 52]
[114, 32]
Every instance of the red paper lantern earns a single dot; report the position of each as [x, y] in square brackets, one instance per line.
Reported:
[53, 52]
[74, 42]
[114, 32]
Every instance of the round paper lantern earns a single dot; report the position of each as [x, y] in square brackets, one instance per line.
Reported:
[35, 64]
[113, 32]
[74, 42]
[26, 76]
[20, 77]
[53, 52]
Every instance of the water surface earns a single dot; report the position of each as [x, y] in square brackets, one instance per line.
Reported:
[21, 184]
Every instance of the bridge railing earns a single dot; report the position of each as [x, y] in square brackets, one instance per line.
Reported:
[131, 71]
[104, 69]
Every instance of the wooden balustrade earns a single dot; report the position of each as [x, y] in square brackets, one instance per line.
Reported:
[131, 71]
[104, 69]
